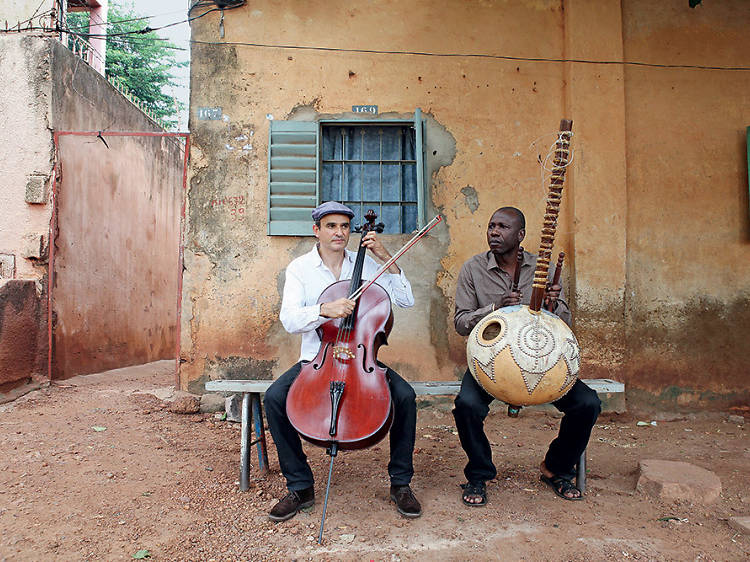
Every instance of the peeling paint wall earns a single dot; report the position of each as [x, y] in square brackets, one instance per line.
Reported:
[488, 120]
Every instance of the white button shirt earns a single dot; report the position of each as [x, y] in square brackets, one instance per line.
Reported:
[307, 277]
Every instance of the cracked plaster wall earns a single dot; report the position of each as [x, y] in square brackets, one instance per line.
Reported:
[486, 120]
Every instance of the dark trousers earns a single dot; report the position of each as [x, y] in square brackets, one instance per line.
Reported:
[580, 405]
[292, 459]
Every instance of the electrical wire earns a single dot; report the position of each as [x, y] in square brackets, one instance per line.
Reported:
[141, 18]
[228, 4]
[471, 55]
[143, 31]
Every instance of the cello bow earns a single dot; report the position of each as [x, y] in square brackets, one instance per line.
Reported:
[383, 268]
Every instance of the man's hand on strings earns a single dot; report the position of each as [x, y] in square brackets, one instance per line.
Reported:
[551, 296]
[511, 299]
[339, 308]
[373, 243]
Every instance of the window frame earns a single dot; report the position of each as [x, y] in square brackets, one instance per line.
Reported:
[396, 123]
[299, 202]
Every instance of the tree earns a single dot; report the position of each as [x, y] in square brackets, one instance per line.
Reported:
[141, 60]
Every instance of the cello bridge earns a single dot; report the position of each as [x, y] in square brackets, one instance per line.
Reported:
[342, 353]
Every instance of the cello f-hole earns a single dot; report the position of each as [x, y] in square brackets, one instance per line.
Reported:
[317, 366]
[364, 359]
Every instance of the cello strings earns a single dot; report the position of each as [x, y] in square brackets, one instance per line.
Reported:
[343, 334]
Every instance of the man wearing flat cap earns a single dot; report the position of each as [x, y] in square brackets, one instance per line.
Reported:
[306, 278]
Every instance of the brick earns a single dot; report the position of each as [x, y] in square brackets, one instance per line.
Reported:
[681, 481]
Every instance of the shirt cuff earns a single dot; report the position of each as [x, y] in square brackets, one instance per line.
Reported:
[400, 276]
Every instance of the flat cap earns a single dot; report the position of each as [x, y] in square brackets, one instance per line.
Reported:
[331, 208]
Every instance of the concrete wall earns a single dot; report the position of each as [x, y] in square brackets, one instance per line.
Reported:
[116, 264]
[14, 11]
[483, 118]
[24, 105]
[50, 90]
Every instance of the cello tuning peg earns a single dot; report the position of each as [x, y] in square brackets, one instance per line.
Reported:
[380, 227]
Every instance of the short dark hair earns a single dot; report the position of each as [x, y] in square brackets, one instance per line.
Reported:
[516, 212]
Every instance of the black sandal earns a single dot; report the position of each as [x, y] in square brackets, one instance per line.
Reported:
[561, 486]
[477, 489]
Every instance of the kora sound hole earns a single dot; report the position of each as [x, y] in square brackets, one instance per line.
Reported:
[491, 331]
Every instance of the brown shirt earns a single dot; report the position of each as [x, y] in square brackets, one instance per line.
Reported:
[482, 284]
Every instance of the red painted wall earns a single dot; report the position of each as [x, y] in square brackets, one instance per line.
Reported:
[116, 254]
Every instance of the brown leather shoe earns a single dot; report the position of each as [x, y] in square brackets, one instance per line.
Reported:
[290, 504]
[406, 503]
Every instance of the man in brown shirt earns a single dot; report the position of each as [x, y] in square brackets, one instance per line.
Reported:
[484, 284]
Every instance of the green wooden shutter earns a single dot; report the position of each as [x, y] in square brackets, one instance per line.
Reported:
[292, 177]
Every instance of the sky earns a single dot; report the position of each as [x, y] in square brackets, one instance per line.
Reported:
[171, 11]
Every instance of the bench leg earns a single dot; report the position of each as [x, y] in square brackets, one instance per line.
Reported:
[260, 432]
[581, 473]
[245, 444]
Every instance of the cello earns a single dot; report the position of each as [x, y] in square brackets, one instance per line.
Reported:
[341, 399]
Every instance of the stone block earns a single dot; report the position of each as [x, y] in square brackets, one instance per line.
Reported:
[233, 407]
[741, 524]
[211, 403]
[36, 189]
[34, 246]
[676, 480]
[7, 266]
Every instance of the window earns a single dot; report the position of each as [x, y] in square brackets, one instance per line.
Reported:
[363, 164]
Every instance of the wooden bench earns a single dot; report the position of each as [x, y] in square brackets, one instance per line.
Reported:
[252, 409]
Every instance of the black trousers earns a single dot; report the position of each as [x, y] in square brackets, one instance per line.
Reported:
[580, 405]
[292, 459]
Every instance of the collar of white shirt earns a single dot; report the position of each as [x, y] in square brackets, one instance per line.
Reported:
[317, 261]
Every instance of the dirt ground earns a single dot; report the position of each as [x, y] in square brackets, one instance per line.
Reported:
[96, 468]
